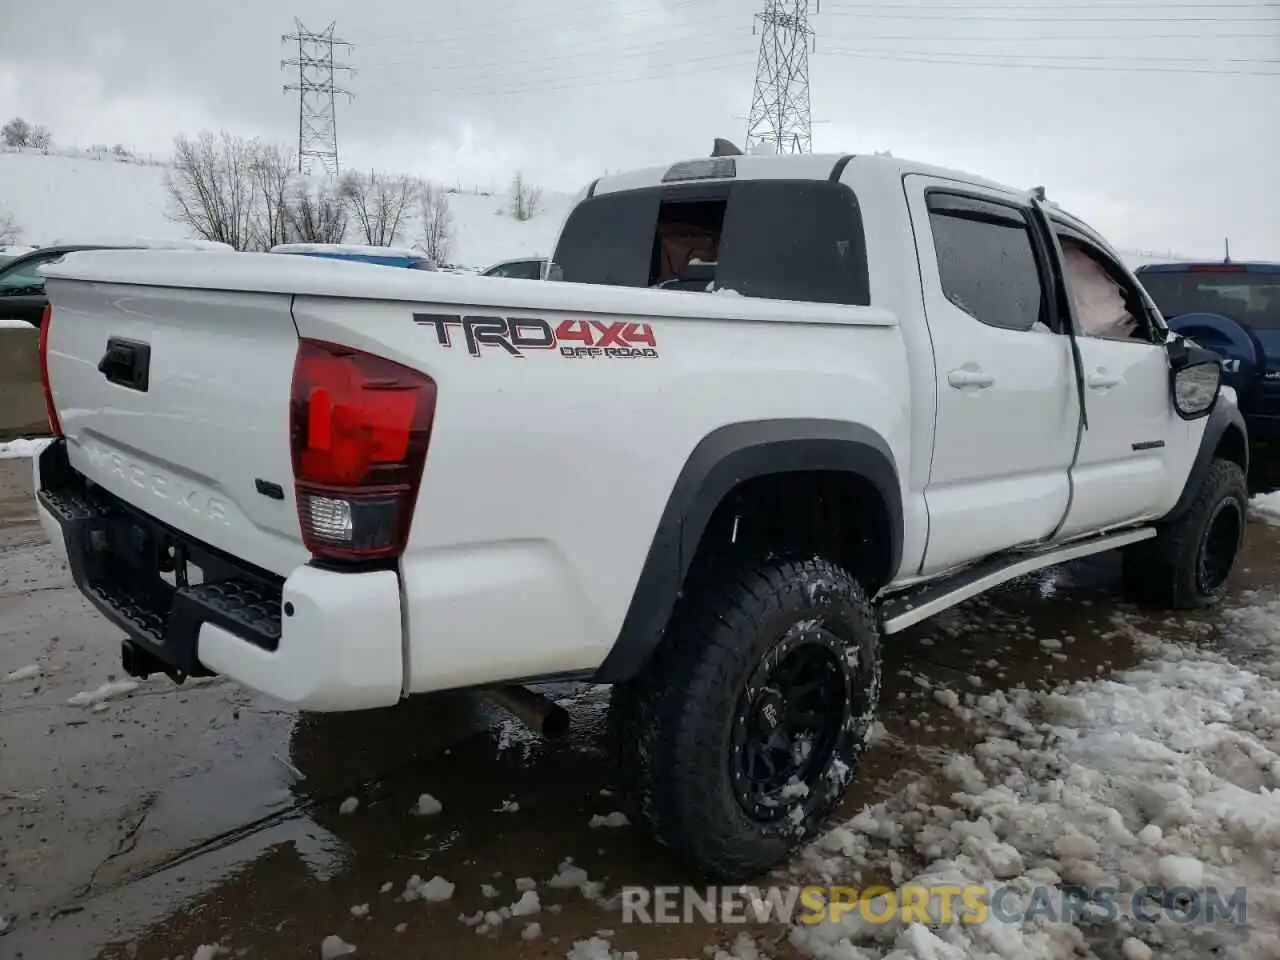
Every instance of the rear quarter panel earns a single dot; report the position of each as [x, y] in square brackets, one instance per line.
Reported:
[547, 474]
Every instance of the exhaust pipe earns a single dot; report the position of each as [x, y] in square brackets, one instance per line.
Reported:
[540, 714]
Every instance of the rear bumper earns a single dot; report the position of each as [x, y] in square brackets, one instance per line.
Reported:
[318, 640]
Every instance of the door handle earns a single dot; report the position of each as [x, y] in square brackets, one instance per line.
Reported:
[963, 377]
[1101, 380]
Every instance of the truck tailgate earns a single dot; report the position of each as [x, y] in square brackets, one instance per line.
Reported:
[177, 401]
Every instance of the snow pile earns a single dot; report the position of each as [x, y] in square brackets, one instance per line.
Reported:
[52, 196]
[1266, 507]
[1167, 775]
[15, 449]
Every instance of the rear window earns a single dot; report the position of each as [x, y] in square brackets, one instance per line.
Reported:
[777, 239]
[1250, 298]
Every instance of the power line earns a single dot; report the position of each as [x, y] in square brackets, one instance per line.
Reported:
[668, 69]
[1092, 19]
[780, 99]
[609, 50]
[571, 15]
[317, 114]
[1041, 57]
[1114, 5]
[894, 57]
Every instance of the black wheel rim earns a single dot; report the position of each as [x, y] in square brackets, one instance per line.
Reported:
[1219, 546]
[790, 721]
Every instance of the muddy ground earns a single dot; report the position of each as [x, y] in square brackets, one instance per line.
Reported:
[169, 817]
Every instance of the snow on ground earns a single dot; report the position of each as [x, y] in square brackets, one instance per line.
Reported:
[54, 196]
[1266, 507]
[12, 449]
[1165, 775]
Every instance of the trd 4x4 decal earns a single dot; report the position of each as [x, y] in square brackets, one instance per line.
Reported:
[575, 339]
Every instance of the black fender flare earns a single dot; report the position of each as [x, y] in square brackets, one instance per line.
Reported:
[723, 459]
[1224, 418]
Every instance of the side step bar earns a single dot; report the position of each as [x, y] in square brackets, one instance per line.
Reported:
[907, 609]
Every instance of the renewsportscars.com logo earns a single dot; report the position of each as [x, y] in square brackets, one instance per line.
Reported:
[576, 339]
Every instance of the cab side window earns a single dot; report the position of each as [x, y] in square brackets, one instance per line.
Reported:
[1104, 302]
[987, 261]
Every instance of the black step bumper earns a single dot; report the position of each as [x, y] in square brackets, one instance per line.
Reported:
[136, 571]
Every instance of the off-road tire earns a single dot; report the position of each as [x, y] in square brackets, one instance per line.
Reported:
[672, 729]
[1166, 572]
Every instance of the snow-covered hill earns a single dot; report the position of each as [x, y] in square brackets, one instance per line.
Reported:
[53, 196]
[59, 195]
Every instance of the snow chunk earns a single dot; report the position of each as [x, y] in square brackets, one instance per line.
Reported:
[427, 806]
[22, 673]
[349, 805]
[615, 819]
[360, 911]
[1135, 949]
[531, 931]
[568, 876]
[527, 905]
[107, 691]
[526, 883]
[334, 946]
[209, 951]
[597, 949]
[436, 890]
[1181, 872]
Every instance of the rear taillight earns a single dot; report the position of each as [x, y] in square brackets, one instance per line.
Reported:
[46, 322]
[359, 429]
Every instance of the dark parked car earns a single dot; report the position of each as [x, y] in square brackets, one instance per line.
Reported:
[22, 287]
[529, 268]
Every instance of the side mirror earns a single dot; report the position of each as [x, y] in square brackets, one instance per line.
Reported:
[1195, 378]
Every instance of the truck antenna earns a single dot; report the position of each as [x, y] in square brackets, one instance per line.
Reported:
[724, 148]
[1038, 193]
[1226, 242]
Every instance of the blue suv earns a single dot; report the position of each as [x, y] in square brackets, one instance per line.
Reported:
[1232, 309]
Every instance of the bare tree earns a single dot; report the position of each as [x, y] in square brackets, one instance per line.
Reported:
[526, 198]
[20, 133]
[380, 203]
[437, 221]
[16, 133]
[317, 213]
[211, 187]
[9, 230]
[41, 137]
[272, 176]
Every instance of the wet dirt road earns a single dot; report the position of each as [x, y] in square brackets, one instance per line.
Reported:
[147, 821]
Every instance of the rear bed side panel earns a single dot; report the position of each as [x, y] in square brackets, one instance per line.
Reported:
[547, 475]
[213, 421]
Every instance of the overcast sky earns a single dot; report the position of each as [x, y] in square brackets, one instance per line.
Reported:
[1157, 122]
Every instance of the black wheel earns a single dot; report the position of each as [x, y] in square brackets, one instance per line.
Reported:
[1188, 564]
[744, 732]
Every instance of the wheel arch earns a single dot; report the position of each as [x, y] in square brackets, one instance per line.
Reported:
[728, 460]
[1225, 437]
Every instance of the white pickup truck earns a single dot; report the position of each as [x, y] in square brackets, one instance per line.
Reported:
[766, 412]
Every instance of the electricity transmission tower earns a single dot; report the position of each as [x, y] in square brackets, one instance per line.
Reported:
[317, 117]
[780, 103]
